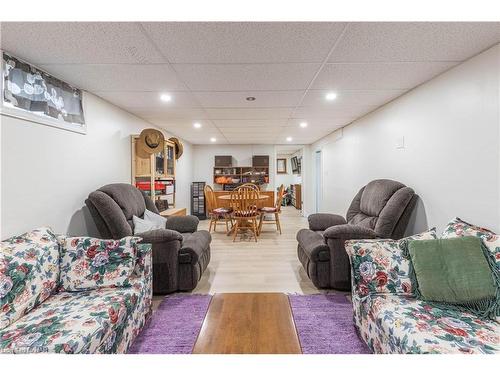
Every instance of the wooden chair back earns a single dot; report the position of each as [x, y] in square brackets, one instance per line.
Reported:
[279, 198]
[254, 186]
[210, 199]
[244, 201]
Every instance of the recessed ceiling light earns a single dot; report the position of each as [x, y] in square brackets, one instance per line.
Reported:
[331, 96]
[197, 125]
[213, 139]
[165, 97]
[289, 139]
[250, 98]
[303, 124]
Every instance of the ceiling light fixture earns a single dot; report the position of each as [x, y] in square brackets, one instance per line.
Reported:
[165, 98]
[250, 98]
[289, 139]
[303, 124]
[213, 139]
[197, 125]
[331, 96]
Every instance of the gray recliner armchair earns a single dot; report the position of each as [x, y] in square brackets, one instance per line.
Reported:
[381, 209]
[180, 252]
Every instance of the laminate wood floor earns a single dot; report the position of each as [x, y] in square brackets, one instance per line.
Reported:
[269, 265]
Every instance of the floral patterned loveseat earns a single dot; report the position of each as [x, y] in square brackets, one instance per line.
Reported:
[390, 320]
[37, 315]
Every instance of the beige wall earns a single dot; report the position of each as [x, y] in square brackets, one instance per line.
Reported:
[47, 172]
[450, 127]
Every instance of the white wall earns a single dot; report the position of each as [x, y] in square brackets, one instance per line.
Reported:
[285, 179]
[451, 148]
[203, 160]
[47, 173]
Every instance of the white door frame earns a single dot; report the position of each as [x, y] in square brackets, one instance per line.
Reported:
[318, 179]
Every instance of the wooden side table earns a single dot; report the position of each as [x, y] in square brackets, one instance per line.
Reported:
[173, 212]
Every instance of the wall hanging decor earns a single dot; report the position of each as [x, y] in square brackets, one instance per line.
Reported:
[179, 148]
[281, 166]
[31, 94]
[151, 141]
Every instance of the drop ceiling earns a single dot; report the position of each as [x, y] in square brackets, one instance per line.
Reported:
[210, 68]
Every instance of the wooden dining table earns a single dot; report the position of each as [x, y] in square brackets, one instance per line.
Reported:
[227, 199]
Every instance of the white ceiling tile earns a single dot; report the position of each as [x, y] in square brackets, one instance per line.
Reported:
[415, 41]
[249, 123]
[170, 113]
[251, 132]
[332, 111]
[147, 99]
[78, 42]
[379, 76]
[122, 77]
[246, 77]
[244, 42]
[222, 99]
[316, 98]
[319, 123]
[249, 113]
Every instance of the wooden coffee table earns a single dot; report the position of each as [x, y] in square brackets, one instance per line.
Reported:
[248, 323]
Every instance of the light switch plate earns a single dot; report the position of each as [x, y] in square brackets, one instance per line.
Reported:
[400, 143]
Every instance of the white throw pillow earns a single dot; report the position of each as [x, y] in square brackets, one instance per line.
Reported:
[158, 220]
[141, 225]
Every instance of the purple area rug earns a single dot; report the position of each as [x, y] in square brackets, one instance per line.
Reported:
[174, 327]
[324, 324]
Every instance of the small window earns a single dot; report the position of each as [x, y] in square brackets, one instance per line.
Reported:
[31, 94]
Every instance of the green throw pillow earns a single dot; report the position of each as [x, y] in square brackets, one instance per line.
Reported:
[455, 271]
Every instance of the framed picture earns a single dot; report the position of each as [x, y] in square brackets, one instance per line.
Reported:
[281, 166]
[31, 94]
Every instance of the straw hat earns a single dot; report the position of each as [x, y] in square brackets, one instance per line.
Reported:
[150, 141]
[179, 148]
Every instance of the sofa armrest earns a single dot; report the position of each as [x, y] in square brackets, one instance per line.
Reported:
[348, 231]
[324, 221]
[160, 235]
[194, 245]
[143, 261]
[183, 224]
[313, 245]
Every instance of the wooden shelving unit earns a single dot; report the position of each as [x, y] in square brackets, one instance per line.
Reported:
[234, 176]
[155, 174]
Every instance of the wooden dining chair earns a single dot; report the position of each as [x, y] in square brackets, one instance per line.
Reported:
[216, 214]
[245, 212]
[276, 210]
[254, 186]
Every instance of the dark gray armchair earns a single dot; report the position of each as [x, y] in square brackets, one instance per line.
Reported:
[180, 252]
[381, 209]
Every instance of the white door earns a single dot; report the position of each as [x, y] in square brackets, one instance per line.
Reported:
[318, 182]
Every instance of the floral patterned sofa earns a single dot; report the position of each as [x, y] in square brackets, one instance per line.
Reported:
[37, 315]
[390, 320]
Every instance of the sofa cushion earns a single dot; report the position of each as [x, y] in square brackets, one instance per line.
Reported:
[401, 324]
[452, 270]
[144, 225]
[29, 270]
[88, 263]
[381, 266]
[376, 194]
[458, 228]
[68, 322]
[130, 200]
